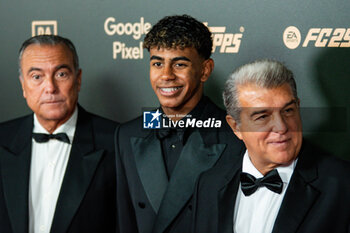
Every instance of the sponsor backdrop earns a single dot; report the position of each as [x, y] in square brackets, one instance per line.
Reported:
[311, 37]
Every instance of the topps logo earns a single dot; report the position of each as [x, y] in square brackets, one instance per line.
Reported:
[226, 42]
[318, 37]
[46, 27]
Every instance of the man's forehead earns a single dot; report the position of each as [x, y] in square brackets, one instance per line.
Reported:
[254, 96]
[267, 108]
[46, 57]
[38, 51]
[176, 49]
[43, 50]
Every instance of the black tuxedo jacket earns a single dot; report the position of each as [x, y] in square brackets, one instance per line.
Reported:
[146, 200]
[86, 203]
[317, 199]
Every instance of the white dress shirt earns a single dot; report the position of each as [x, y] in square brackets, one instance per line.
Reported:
[257, 213]
[48, 165]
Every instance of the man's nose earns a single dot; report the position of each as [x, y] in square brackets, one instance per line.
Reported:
[279, 124]
[50, 85]
[167, 73]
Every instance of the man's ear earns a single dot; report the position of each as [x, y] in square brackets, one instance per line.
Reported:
[22, 85]
[78, 77]
[234, 126]
[208, 66]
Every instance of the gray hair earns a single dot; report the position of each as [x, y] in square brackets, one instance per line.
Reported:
[48, 40]
[264, 73]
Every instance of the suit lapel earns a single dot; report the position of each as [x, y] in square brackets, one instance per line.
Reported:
[195, 158]
[15, 170]
[299, 197]
[83, 161]
[226, 202]
[151, 168]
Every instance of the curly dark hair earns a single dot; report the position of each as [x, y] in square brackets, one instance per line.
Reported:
[180, 31]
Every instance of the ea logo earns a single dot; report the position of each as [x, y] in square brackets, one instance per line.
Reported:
[291, 37]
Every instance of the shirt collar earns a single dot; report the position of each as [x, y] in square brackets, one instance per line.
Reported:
[285, 172]
[68, 127]
[183, 133]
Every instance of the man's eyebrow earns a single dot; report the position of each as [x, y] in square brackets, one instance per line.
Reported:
[293, 101]
[182, 58]
[64, 66]
[33, 69]
[258, 112]
[266, 110]
[57, 68]
[156, 58]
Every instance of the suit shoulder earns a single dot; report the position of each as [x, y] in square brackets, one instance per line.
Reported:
[214, 110]
[329, 165]
[13, 122]
[101, 123]
[334, 166]
[10, 127]
[218, 174]
[132, 127]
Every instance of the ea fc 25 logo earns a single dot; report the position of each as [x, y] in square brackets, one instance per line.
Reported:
[318, 37]
[44, 27]
[152, 119]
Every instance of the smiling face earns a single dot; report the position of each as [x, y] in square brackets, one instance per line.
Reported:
[177, 77]
[49, 83]
[270, 125]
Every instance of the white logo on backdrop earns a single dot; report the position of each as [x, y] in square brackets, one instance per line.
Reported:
[317, 37]
[225, 42]
[291, 37]
[44, 27]
[136, 30]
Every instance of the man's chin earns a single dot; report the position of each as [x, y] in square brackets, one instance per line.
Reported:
[170, 104]
[53, 115]
[284, 158]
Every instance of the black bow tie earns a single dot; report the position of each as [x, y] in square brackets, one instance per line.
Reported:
[271, 180]
[43, 137]
[164, 132]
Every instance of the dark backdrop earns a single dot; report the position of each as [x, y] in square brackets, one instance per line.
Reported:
[108, 36]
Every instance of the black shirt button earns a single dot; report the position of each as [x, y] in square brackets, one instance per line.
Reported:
[142, 205]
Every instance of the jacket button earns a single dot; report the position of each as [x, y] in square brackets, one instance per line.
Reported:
[142, 205]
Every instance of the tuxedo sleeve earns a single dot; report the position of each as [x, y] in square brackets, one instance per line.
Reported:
[194, 212]
[204, 212]
[126, 219]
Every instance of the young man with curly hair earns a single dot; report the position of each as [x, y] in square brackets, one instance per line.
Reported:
[157, 169]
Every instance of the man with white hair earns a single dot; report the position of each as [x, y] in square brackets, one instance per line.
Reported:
[281, 183]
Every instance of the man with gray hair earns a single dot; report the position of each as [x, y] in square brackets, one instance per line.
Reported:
[57, 171]
[281, 183]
